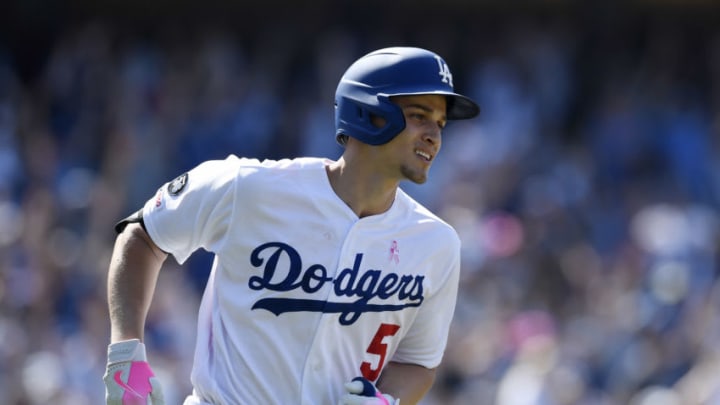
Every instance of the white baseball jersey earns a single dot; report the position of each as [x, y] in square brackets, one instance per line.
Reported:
[304, 295]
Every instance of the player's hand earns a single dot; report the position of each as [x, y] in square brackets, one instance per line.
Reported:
[360, 391]
[129, 380]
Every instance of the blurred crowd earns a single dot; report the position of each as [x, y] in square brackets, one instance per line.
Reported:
[585, 195]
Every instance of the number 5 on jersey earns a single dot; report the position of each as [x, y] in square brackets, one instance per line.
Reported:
[378, 347]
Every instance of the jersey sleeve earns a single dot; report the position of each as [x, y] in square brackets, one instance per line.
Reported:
[424, 344]
[194, 210]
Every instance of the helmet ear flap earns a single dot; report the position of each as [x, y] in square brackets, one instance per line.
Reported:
[377, 121]
[360, 119]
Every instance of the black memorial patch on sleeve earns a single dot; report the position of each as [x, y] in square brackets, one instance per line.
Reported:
[177, 185]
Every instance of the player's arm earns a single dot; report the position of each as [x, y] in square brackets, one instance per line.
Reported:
[407, 382]
[399, 384]
[133, 273]
[134, 268]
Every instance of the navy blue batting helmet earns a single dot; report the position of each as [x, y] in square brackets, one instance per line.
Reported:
[367, 85]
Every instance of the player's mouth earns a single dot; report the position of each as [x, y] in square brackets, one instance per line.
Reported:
[428, 157]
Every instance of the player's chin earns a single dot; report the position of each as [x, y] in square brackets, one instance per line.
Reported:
[417, 176]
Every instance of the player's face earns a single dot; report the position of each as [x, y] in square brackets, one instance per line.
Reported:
[414, 149]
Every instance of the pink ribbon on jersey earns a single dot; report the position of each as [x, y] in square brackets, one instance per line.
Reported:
[394, 252]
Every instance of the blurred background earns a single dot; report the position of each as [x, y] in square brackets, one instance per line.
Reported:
[586, 194]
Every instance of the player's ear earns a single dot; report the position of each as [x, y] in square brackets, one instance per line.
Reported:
[377, 121]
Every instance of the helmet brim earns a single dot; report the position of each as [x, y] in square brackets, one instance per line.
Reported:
[459, 107]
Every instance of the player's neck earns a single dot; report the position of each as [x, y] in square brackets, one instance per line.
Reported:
[363, 190]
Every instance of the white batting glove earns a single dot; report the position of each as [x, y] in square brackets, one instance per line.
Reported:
[129, 380]
[361, 391]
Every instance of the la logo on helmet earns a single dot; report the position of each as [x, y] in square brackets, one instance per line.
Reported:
[444, 71]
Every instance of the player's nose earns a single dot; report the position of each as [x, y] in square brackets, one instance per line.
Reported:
[433, 136]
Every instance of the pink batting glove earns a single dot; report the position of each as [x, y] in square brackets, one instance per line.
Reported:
[129, 380]
[361, 391]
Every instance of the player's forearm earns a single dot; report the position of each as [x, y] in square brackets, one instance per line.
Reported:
[407, 382]
[132, 275]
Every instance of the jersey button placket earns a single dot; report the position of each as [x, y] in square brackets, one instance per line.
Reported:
[314, 376]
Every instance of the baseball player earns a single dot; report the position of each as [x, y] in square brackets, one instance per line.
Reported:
[329, 285]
